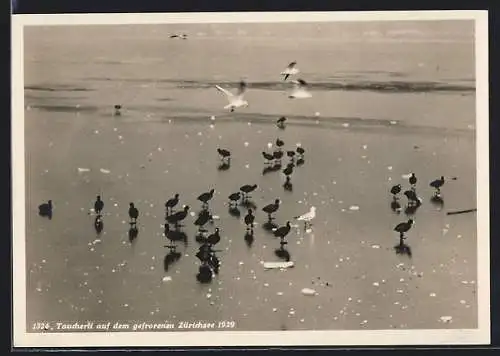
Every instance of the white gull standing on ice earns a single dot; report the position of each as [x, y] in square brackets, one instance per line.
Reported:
[307, 217]
[235, 101]
[299, 90]
[290, 70]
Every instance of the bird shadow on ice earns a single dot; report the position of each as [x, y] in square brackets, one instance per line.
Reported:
[437, 201]
[224, 166]
[268, 169]
[288, 186]
[249, 238]
[411, 210]
[403, 249]
[234, 212]
[396, 207]
[282, 253]
[170, 258]
[176, 235]
[269, 226]
[133, 232]
[98, 224]
[248, 204]
[204, 274]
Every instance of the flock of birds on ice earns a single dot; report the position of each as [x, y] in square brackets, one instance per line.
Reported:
[210, 263]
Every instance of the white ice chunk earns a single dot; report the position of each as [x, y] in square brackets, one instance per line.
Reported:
[277, 265]
[308, 291]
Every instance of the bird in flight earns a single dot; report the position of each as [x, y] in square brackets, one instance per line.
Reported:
[291, 69]
[235, 100]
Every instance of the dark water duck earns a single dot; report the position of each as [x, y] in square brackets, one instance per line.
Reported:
[271, 208]
[279, 143]
[133, 213]
[206, 197]
[288, 171]
[234, 198]
[277, 155]
[213, 239]
[282, 231]
[117, 110]
[412, 197]
[225, 154]
[395, 190]
[412, 180]
[268, 157]
[178, 216]
[247, 189]
[403, 227]
[437, 184]
[172, 202]
[300, 151]
[249, 219]
[45, 209]
[290, 154]
[203, 218]
[98, 205]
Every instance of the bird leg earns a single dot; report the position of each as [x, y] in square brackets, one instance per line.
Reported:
[401, 236]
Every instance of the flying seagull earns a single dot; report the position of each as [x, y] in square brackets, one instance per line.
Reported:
[235, 101]
[299, 90]
[290, 70]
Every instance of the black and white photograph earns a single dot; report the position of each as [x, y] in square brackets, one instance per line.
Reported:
[251, 179]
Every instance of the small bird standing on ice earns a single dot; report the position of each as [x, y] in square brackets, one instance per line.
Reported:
[437, 184]
[395, 190]
[133, 213]
[413, 181]
[291, 69]
[98, 205]
[235, 101]
[403, 227]
[307, 217]
[299, 90]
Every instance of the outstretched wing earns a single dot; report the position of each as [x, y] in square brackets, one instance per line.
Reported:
[292, 65]
[226, 92]
[302, 82]
[241, 89]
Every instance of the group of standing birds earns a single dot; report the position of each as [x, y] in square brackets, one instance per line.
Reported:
[413, 201]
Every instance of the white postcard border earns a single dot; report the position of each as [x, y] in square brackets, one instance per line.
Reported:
[276, 338]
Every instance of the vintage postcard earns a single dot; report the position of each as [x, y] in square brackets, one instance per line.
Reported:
[250, 179]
